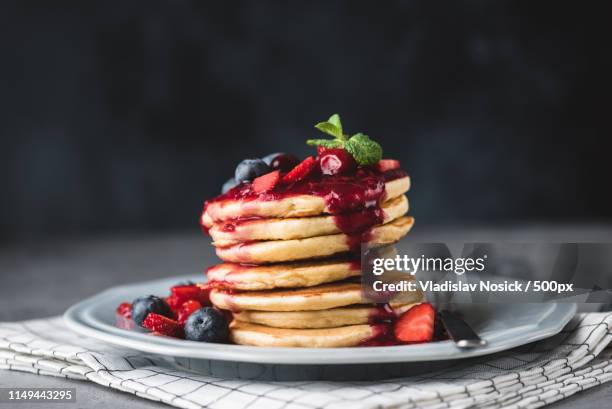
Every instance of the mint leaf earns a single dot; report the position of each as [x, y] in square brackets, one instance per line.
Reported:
[360, 146]
[363, 149]
[326, 143]
[329, 129]
[335, 120]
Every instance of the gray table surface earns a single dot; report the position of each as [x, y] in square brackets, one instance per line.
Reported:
[40, 279]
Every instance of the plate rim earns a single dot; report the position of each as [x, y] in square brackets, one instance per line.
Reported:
[78, 318]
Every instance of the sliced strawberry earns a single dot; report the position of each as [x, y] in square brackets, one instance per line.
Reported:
[320, 150]
[266, 182]
[384, 165]
[416, 324]
[186, 309]
[174, 303]
[301, 171]
[123, 316]
[182, 293]
[163, 325]
[125, 310]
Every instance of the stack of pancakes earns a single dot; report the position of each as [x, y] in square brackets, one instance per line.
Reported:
[286, 276]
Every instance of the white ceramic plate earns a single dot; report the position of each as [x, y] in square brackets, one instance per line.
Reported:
[503, 326]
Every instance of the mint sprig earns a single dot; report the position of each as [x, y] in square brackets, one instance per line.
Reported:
[333, 127]
[360, 146]
[363, 149]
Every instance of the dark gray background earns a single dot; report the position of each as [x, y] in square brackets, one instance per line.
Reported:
[125, 116]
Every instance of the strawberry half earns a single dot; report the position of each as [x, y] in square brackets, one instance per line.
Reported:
[384, 165]
[187, 309]
[416, 324]
[266, 182]
[163, 325]
[301, 171]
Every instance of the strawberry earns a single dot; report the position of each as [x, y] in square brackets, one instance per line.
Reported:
[182, 293]
[186, 309]
[125, 310]
[336, 162]
[266, 182]
[416, 324]
[174, 302]
[301, 171]
[384, 165]
[175, 305]
[163, 325]
[123, 316]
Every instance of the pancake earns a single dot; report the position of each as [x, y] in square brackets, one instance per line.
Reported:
[321, 297]
[291, 206]
[267, 277]
[227, 234]
[335, 317]
[261, 252]
[259, 335]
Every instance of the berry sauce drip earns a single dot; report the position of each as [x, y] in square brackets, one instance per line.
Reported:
[381, 320]
[353, 200]
[381, 313]
[382, 336]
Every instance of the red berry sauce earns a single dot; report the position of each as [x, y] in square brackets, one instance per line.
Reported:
[354, 200]
[382, 336]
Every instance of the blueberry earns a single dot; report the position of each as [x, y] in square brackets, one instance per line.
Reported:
[249, 169]
[142, 306]
[207, 325]
[231, 183]
[269, 158]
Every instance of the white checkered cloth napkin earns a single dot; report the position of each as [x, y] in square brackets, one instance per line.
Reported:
[527, 377]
